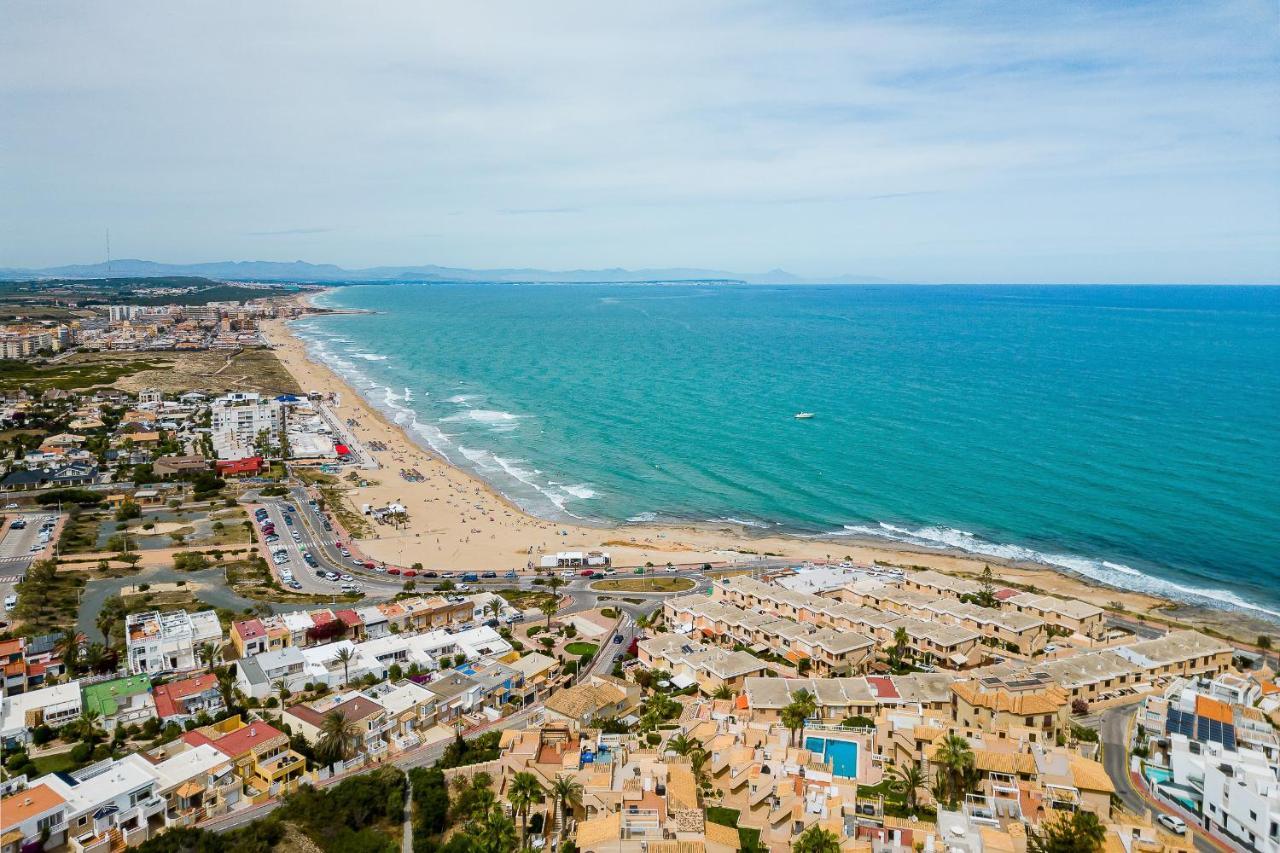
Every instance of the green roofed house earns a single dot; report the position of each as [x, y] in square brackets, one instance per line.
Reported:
[121, 701]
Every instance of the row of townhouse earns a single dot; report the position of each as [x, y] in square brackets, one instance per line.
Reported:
[307, 628]
[838, 699]
[28, 662]
[119, 802]
[1013, 631]
[931, 641]
[336, 664]
[131, 700]
[692, 662]
[1073, 615]
[827, 650]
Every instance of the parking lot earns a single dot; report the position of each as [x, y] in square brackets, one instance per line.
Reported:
[23, 543]
[295, 549]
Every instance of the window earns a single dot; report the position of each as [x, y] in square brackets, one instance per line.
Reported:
[56, 818]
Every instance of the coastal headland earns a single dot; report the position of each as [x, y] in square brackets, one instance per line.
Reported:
[458, 521]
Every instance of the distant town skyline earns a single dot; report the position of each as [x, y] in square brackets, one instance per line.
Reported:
[971, 143]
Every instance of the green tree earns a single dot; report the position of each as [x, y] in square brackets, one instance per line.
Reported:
[815, 839]
[128, 509]
[112, 612]
[682, 744]
[722, 692]
[344, 657]
[1082, 832]
[338, 738]
[986, 596]
[954, 758]
[907, 780]
[567, 792]
[901, 640]
[525, 791]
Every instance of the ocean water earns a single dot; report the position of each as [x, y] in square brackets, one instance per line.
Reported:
[1129, 434]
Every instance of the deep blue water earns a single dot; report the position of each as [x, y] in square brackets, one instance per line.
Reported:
[1128, 433]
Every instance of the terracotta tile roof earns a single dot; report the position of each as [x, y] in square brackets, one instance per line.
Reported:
[1047, 701]
[1090, 775]
[249, 629]
[246, 738]
[167, 696]
[1219, 712]
[723, 835]
[24, 805]
[349, 618]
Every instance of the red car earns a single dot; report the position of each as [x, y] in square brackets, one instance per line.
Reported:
[409, 573]
[393, 571]
[586, 573]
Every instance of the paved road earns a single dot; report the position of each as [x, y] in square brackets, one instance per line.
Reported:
[15, 547]
[1115, 759]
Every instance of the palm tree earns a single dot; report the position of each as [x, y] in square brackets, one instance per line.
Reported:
[344, 657]
[525, 791]
[69, 648]
[494, 607]
[815, 839]
[281, 685]
[722, 692]
[493, 833]
[112, 612]
[908, 780]
[208, 653]
[698, 758]
[793, 718]
[338, 738]
[227, 688]
[807, 701]
[1082, 832]
[682, 744]
[94, 656]
[900, 642]
[954, 757]
[89, 722]
[566, 791]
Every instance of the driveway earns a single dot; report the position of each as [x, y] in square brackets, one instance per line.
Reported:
[1115, 760]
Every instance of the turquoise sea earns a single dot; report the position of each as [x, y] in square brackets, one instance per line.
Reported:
[1130, 434]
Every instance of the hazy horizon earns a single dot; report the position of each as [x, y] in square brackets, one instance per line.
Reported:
[985, 143]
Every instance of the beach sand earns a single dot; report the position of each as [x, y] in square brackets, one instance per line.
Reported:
[457, 521]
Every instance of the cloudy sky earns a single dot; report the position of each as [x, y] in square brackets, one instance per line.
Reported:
[1002, 142]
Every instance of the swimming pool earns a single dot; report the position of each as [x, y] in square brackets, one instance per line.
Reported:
[843, 754]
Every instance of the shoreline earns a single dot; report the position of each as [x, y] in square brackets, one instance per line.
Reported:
[460, 521]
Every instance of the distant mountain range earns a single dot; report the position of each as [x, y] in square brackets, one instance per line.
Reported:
[301, 271]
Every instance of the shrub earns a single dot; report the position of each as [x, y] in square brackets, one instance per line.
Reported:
[653, 738]
[81, 752]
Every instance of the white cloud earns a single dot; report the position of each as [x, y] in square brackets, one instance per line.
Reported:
[996, 143]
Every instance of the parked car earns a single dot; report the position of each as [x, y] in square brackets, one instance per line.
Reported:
[1172, 823]
[331, 576]
[586, 573]
[409, 573]
[617, 639]
[512, 574]
[489, 575]
[320, 573]
[595, 576]
[431, 574]
[393, 571]
[295, 585]
[470, 577]
[10, 601]
[347, 578]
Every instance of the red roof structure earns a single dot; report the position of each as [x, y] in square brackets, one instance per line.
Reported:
[236, 467]
[342, 450]
[169, 696]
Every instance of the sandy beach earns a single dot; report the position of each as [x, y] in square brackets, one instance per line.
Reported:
[456, 521]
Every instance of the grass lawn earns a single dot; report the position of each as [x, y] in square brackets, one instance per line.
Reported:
[54, 763]
[580, 648]
[644, 584]
[722, 816]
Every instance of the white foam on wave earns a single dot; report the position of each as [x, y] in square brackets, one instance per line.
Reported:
[408, 394]
[581, 491]
[368, 356]
[462, 399]
[760, 525]
[1112, 574]
[642, 517]
[482, 416]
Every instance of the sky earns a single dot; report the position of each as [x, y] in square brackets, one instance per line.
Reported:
[1025, 141]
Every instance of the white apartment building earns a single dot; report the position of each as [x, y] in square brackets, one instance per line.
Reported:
[169, 642]
[236, 421]
[51, 706]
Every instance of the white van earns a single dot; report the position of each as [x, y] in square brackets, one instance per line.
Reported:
[10, 601]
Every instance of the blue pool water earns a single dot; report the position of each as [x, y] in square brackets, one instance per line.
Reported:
[843, 755]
